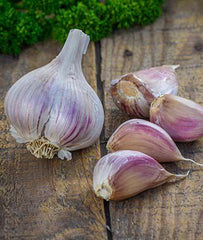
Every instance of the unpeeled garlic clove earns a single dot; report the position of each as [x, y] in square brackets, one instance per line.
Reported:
[149, 138]
[123, 174]
[180, 117]
[134, 92]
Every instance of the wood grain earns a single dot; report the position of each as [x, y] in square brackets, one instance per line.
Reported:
[39, 198]
[172, 211]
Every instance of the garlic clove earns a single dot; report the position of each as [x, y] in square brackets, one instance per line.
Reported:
[131, 95]
[124, 174]
[180, 117]
[134, 92]
[53, 109]
[141, 135]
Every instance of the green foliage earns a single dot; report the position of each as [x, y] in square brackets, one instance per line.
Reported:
[25, 22]
[19, 28]
[91, 18]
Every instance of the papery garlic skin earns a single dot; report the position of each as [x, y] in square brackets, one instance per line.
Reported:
[180, 117]
[160, 80]
[131, 96]
[124, 174]
[53, 109]
[134, 92]
[141, 135]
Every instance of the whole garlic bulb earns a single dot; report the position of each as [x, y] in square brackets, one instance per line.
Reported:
[134, 92]
[53, 109]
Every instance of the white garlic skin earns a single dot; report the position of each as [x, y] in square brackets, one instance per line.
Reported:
[55, 103]
[160, 80]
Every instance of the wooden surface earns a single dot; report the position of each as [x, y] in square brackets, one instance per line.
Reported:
[39, 198]
[170, 211]
[53, 199]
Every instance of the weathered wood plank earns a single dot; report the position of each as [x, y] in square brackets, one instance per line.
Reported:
[39, 198]
[171, 211]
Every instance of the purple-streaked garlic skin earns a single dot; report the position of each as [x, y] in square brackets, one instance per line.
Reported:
[180, 117]
[54, 106]
[160, 80]
[141, 135]
[134, 92]
[124, 174]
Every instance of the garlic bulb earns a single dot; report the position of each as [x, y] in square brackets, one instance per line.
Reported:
[123, 174]
[53, 109]
[141, 135]
[134, 92]
[180, 117]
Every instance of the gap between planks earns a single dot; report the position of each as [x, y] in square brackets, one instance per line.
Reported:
[100, 91]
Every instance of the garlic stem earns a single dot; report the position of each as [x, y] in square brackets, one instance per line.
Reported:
[192, 161]
[73, 49]
[175, 66]
[178, 177]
